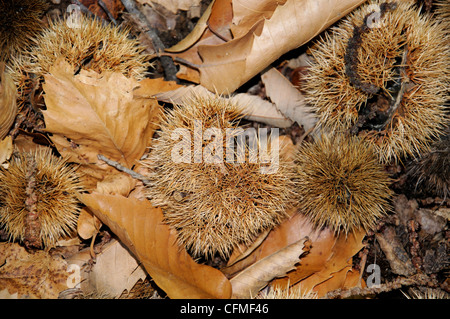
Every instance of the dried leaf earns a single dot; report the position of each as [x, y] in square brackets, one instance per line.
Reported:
[324, 262]
[90, 114]
[345, 278]
[4, 294]
[328, 254]
[250, 281]
[6, 149]
[225, 67]
[8, 105]
[87, 224]
[173, 5]
[257, 109]
[115, 270]
[220, 19]
[140, 227]
[32, 275]
[288, 99]
[247, 13]
[116, 184]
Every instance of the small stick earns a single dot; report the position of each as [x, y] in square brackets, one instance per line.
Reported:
[124, 169]
[167, 63]
[418, 279]
[108, 13]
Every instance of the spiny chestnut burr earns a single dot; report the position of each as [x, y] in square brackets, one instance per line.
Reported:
[430, 174]
[20, 21]
[213, 201]
[341, 184]
[382, 73]
[38, 199]
[85, 43]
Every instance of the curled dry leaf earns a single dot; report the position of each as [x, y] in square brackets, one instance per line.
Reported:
[328, 254]
[31, 275]
[288, 99]
[140, 227]
[8, 105]
[251, 280]
[269, 32]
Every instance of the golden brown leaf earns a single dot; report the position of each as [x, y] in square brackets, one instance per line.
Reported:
[87, 224]
[328, 254]
[8, 106]
[114, 271]
[91, 114]
[288, 99]
[173, 5]
[140, 227]
[262, 40]
[6, 149]
[31, 275]
[251, 280]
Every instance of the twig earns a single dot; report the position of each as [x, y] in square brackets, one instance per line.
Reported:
[108, 13]
[418, 279]
[167, 63]
[124, 169]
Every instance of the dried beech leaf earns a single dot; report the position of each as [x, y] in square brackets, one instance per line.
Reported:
[227, 66]
[243, 251]
[114, 271]
[140, 227]
[31, 275]
[343, 279]
[87, 224]
[173, 5]
[293, 229]
[8, 105]
[259, 110]
[251, 280]
[246, 13]
[90, 114]
[328, 254]
[317, 269]
[6, 149]
[219, 21]
[4, 294]
[288, 99]
[116, 184]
